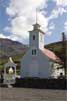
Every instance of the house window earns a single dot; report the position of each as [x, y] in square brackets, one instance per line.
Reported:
[34, 52]
[33, 37]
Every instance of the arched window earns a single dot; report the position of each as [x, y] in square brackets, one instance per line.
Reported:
[33, 37]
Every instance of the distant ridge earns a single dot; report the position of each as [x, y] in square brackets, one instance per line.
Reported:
[10, 48]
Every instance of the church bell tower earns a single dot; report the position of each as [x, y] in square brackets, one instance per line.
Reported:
[36, 37]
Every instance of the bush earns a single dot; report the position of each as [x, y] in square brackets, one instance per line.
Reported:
[41, 83]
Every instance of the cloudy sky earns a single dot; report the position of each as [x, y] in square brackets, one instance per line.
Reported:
[18, 16]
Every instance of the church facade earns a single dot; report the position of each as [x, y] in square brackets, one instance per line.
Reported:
[38, 61]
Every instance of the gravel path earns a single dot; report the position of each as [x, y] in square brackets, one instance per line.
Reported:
[26, 94]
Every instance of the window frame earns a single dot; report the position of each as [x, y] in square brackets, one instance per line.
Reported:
[33, 37]
[34, 52]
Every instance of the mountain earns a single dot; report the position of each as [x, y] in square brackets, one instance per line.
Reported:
[11, 48]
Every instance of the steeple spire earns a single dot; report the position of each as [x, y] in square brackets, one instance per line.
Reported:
[36, 15]
[36, 25]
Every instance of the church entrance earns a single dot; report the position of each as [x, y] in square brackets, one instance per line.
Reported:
[33, 69]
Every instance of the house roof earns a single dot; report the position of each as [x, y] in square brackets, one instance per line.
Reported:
[52, 56]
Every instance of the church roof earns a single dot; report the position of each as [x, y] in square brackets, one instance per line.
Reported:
[52, 56]
[36, 24]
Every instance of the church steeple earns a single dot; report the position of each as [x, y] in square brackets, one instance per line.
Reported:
[36, 36]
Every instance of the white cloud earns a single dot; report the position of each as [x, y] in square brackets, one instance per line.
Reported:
[2, 35]
[61, 2]
[14, 38]
[18, 38]
[43, 21]
[51, 26]
[23, 15]
[59, 9]
[56, 12]
[20, 7]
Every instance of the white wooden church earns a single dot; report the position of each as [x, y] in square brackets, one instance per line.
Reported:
[39, 61]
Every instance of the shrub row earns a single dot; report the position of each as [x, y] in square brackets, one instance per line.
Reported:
[41, 83]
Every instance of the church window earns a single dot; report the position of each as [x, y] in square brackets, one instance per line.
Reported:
[34, 52]
[33, 37]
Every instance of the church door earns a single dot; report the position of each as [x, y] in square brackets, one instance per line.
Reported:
[33, 70]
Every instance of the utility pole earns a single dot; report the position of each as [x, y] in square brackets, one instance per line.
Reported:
[64, 55]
